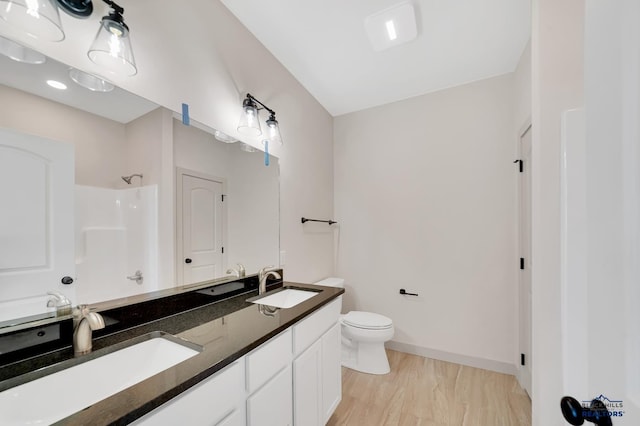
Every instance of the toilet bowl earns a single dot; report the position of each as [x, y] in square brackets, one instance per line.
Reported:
[363, 337]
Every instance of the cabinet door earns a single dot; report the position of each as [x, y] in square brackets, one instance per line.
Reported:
[272, 405]
[331, 371]
[216, 400]
[307, 385]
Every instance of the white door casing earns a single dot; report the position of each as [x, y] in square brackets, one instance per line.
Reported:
[524, 250]
[36, 219]
[201, 227]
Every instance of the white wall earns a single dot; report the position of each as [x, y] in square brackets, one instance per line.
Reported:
[557, 80]
[425, 196]
[200, 54]
[99, 143]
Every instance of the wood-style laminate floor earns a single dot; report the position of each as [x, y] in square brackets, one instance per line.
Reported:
[423, 391]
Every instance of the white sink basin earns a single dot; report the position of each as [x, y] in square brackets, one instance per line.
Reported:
[286, 298]
[58, 395]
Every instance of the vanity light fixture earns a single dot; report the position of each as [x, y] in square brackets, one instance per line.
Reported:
[249, 123]
[223, 137]
[90, 81]
[111, 49]
[38, 18]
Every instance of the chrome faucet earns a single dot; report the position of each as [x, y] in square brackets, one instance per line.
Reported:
[84, 322]
[263, 274]
[240, 272]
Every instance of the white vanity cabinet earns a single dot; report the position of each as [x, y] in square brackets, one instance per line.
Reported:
[292, 379]
[217, 400]
[317, 383]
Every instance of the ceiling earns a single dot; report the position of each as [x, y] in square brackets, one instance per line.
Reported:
[324, 45]
[118, 105]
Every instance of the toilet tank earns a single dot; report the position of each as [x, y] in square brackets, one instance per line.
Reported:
[331, 282]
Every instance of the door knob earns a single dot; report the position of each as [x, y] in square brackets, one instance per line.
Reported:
[576, 413]
[187, 260]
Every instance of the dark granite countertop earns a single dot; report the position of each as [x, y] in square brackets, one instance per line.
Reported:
[226, 330]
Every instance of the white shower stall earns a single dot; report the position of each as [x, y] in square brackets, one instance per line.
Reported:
[116, 233]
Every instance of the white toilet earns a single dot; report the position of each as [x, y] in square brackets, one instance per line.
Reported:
[363, 337]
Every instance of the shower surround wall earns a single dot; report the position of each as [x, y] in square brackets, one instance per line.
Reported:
[116, 233]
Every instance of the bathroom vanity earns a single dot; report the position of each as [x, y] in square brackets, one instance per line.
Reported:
[252, 364]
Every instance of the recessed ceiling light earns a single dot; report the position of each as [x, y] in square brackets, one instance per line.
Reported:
[57, 84]
[392, 26]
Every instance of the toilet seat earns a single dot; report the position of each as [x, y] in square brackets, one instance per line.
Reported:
[367, 320]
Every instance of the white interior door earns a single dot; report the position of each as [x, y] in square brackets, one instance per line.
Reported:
[524, 243]
[201, 223]
[36, 221]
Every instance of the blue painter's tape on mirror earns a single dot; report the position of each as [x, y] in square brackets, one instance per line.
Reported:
[185, 114]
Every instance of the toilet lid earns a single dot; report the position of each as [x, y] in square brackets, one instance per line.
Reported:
[367, 320]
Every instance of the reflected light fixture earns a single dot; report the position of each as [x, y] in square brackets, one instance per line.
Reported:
[111, 48]
[19, 53]
[249, 123]
[223, 137]
[90, 81]
[38, 18]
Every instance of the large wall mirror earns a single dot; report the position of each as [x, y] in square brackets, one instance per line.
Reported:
[106, 195]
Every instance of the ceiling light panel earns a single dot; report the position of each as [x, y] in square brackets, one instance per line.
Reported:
[392, 26]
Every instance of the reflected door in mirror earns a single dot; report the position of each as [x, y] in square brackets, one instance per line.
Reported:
[202, 228]
[36, 222]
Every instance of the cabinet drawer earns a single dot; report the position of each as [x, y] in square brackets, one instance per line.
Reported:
[311, 328]
[208, 402]
[265, 361]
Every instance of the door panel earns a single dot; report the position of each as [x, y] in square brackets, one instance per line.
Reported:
[202, 229]
[36, 218]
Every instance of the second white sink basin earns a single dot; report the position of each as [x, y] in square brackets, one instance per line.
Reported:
[287, 298]
[58, 395]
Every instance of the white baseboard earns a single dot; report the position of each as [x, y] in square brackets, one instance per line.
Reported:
[485, 364]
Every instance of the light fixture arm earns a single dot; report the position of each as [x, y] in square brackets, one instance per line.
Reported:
[249, 96]
[116, 7]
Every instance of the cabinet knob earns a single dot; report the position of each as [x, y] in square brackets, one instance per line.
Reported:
[66, 280]
[187, 260]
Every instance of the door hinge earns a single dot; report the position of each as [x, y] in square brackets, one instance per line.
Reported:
[522, 359]
[222, 196]
[520, 165]
[222, 249]
[522, 263]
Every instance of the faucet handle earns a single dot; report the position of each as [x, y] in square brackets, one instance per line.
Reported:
[60, 302]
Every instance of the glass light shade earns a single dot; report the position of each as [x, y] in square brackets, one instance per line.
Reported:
[111, 48]
[20, 53]
[223, 137]
[247, 148]
[249, 123]
[90, 81]
[273, 131]
[38, 18]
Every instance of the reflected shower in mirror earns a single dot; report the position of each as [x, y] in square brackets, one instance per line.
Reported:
[91, 181]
